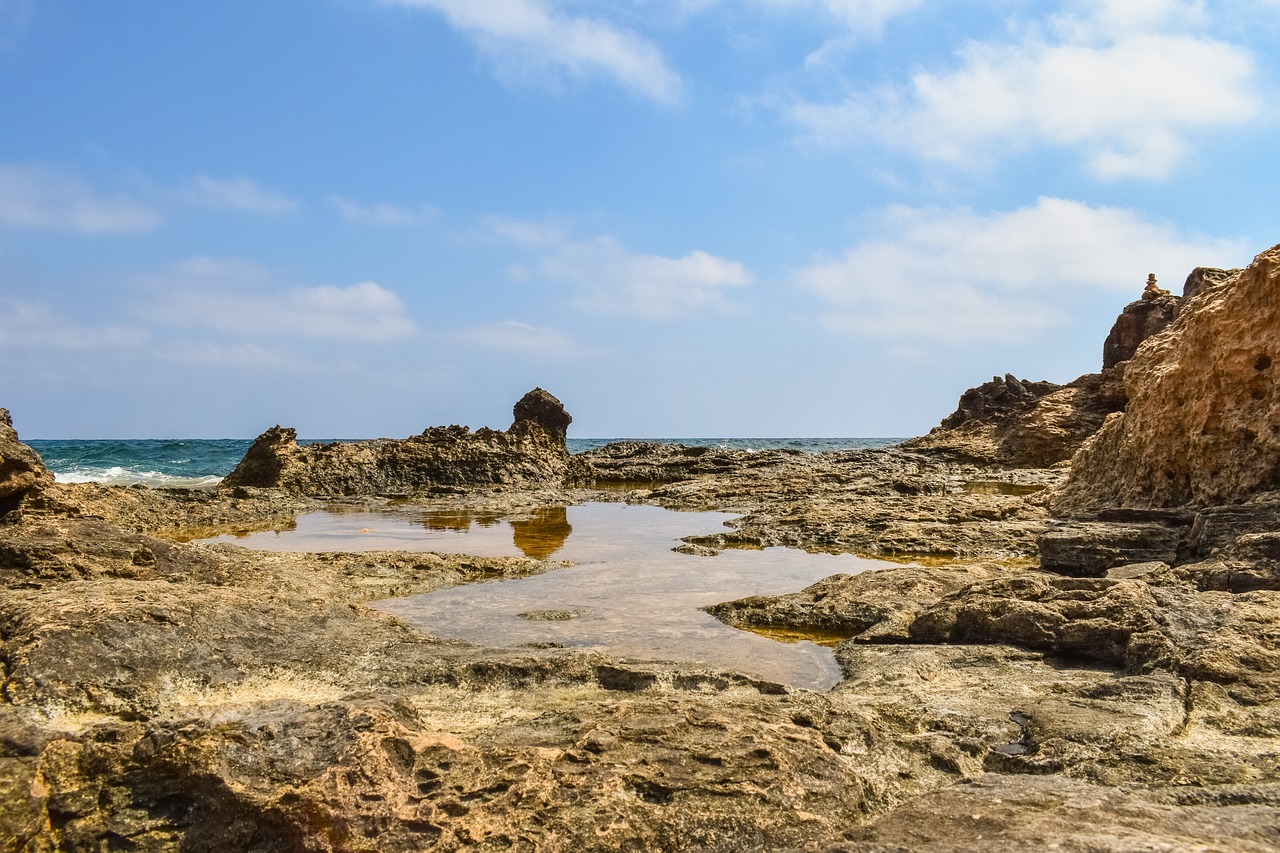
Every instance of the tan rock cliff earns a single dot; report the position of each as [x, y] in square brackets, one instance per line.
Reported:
[1202, 425]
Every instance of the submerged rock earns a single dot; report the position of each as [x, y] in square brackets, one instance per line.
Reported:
[531, 453]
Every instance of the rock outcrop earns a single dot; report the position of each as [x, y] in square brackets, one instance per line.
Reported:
[531, 453]
[22, 471]
[1138, 321]
[1037, 424]
[1019, 423]
[1202, 423]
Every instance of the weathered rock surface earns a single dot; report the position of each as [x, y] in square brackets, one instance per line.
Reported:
[1202, 425]
[22, 471]
[1124, 694]
[1024, 424]
[531, 453]
[1138, 321]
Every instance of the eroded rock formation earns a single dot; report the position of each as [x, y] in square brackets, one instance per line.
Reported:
[1138, 321]
[532, 452]
[1202, 423]
[22, 471]
[1021, 423]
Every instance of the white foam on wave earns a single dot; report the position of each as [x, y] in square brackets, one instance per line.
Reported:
[117, 475]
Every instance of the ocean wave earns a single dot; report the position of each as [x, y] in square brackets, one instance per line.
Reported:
[117, 475]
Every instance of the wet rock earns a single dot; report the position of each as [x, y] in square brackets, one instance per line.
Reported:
[22, 471]
[878, 604]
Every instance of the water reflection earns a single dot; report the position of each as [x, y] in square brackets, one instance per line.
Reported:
[540, 533]
[628, 594]
[543, 532]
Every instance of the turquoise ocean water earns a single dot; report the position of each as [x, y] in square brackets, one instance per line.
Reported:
[201, 463]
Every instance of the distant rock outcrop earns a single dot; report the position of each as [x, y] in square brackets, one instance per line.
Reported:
[1021, 423]
[531, 453]
[22, 470]
[1038, 424]
[1202, 424]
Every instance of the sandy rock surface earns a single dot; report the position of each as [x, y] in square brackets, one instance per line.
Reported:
[170, 696]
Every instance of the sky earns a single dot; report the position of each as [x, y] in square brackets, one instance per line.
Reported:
[682, 217]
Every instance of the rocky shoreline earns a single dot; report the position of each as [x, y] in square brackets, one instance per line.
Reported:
[1080, 650]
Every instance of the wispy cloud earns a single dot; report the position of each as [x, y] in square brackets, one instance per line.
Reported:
[241, 298]
[956, 275]
[240, 355]
[855, 20]
[238, 193]
[534, 36]
[39, 196]
[608, 277]
[515, 336]
[38, 326]
[1128, 84]
[383, 213]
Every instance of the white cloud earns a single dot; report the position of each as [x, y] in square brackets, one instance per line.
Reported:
[514, 336]
[239, 297]
[533, 36]
[35, 325]
[610, 278]
[39, 196]
[238, 193]
[235, 355]
[956, 275]
[1127, 84]
[383, 214]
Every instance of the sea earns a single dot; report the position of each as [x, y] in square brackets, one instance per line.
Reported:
[202, 463]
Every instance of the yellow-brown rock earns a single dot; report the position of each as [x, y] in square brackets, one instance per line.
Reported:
[1202, 425]
[22, 470]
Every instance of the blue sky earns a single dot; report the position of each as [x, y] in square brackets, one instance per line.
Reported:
[682, 217]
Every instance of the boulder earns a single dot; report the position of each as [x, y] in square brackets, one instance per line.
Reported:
[531, 453]
[1202, 423]
[539, 408]
[22, 471]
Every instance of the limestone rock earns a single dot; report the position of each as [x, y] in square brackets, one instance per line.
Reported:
[1022, 812]
[1203, 278]
[1138, 321]
[1202, 425]
[1023, 424]
[531, 453]
[22, 470]
[539, 407]
[1091, 548]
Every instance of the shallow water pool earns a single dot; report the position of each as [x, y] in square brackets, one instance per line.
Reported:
[628, 595]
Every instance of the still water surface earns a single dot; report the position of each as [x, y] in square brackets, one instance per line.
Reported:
[628, 595]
